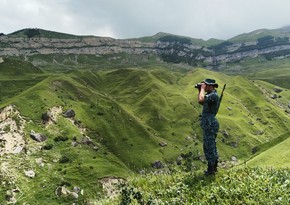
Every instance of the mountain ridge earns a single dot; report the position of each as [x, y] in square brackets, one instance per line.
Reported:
[213, 54]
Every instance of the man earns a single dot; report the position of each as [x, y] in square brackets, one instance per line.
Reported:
[209, 98]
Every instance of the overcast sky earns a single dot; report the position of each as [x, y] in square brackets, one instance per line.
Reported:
[222, 19]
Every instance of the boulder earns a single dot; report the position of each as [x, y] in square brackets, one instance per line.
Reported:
[277, 90]
[233, 158]
[225, 134]
[62, 190]
[87, 141]
[76, 189]
[30, 173]
[163, 144]
[17, 150]
[274, 96]
[38, 136]
[10, 196]
[157, 165]
[69, 113]
[188, 138]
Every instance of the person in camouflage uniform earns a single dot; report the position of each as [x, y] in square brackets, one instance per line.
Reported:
[209, 98]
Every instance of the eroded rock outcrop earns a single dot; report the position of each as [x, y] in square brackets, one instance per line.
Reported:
[11, 130]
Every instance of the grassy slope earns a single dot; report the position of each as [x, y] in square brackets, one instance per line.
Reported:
[239, 186]
[127, 113]
[194, 41]
[156, 105]
[44, 33]
[276, 72]
[277, 155]
[254, 35]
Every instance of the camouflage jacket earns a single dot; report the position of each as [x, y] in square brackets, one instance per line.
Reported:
[209, 111]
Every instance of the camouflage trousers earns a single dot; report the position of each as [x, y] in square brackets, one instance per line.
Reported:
[210, 128]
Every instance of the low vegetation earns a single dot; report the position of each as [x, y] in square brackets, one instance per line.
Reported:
[235, 186]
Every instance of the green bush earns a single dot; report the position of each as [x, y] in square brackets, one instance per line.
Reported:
[60, 139]
[64, 159]
[48, 147]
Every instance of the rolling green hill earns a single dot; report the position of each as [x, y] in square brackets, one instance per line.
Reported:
[254, 35]
[36, 32]
[194, 41]
[275, 72]
[274, 154]
[125, 120]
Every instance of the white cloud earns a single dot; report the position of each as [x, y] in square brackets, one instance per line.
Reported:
[136, 18]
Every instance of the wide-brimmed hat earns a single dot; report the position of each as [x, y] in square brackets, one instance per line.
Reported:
[210, 82]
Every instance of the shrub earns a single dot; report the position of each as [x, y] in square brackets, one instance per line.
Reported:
[48, 147]
[64, 159]
[60, 139]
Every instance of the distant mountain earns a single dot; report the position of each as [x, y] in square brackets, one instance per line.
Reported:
[213, 54]
[194, 41]
[255, 35]
[40, 33]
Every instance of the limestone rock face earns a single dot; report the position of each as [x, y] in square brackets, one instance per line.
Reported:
[91, 45]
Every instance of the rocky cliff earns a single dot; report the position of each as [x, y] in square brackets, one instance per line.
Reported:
[17, 46]
[171, 48]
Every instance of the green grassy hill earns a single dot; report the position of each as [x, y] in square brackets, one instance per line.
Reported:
[122, 117]
[254, 35]
[194, 41]
[36, 32]
[274, 154]
[275, 72]
[238, 186]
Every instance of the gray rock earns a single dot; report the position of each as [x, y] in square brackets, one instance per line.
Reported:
[69, 113]
[188, 138]
[157, 165]
[38, 136]
[17, 150]
[11, 196]
[233, 158]
[274, 96]
[225, 134]
[62, 191]
[277, 90]
[30, 173]
[74, 144]
[76, 189]
[74, 195]
[163, 144]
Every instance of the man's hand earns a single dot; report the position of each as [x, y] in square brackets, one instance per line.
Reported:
[203, 85]
[201, 94]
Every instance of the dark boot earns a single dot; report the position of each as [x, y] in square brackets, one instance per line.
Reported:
[215, 166]
[210, 169]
